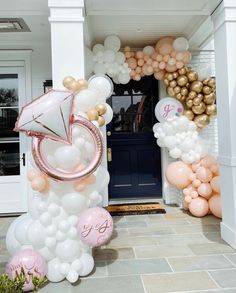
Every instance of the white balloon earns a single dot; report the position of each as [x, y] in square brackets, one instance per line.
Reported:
[99, 68]
[87, 264]
[22, 228]
[64, 268]
[73, 220]
[60, 236]
[170, 141]
[74, 203]
[113, 43]
[175, 153]
[67, 157]
[68, 250]
[181, 44]
[109, 56]
[120, 57]
[148, 50]
[54, 274]
[50, 242]
[72, 276]
[109, 114]
[64, 226]
[77, 265]
[11, 243]
[51, 230]
[102, 85]
[45, 219]
[98, 48]
[54, 209]
[33, 207]
[72, 233]
[204, 70]
[85, 100]
[124, 78]
[36, 234]
[46, 253]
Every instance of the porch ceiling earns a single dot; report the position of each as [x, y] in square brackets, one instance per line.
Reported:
[139, 22]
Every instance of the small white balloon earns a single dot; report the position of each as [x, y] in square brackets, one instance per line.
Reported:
[46, 253]
[109, 114]
[87, 264]
[148, 50]
[53, 209]
[36, 234]
[124, 78]
[64, 268]
[74, 203]
[72, 233]
[45, 219]
[120, 58]
[72, 276]
[73, 220]
[51, 230]
[50, 242]
[99, 68]
[109, 56]
[77, 265]
[64, 226]
[67, 157]
[113, 43]
[60, 236]
[98, 48]
[68, 250]
[54, 274]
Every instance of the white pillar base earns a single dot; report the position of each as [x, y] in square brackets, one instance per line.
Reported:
[228, 235]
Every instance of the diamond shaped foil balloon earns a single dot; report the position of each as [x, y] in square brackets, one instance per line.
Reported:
[48, 115]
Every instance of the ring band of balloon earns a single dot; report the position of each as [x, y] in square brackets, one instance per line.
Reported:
[60, 175]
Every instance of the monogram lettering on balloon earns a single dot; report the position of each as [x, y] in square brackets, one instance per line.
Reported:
[26, 271]
[167, 109]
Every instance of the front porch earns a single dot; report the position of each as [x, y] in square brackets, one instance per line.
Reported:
[173, 252]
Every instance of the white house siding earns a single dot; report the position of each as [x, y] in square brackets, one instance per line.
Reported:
[172, 195]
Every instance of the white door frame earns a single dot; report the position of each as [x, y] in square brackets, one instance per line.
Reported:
[20, 59]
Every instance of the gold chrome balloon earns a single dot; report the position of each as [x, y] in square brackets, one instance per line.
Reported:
[182, 80]
[206, 90]
[211, 110]
[209, 99]
[177, 89]
[92, 114]
[173, 83]
[192, 95]
[196, 101]
[200, 109]
[68, 80]
[101, 108]
[192, 75]
[166, 81]
[189, 114]
[101, 121]
[184, 91]
[196, 86]
[202, 120]
[170, 91]
[82, 83]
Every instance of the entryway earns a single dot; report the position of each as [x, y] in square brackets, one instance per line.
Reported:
[134, 160]
[13, 147]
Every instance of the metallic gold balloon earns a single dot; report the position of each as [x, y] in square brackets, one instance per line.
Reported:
[196, 101]
[202, 120]
[169, 76]
[177, 89]
[189, 103]
[92, 114]
[189, 114]
[175, 75]
[212, 83]
[74, 86]
[192, 75]
[184, 91]
[182, 80]
[166, 81]
[179, 96]
[192, 94]
[101, 109]
[206, 90]
[205, 81]
[200, 96]
[209, 99]
[82, 83]
[68, 80]
[101, 121]
[196, 86]
[173, 83]
[170, 91]
[200, 109]
[182, 71]
[211, 110]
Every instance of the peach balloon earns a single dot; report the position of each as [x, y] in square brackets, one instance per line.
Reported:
[187, 57]
[179, 64]
[33, 173]
[177, 174]
[155, 64]
[146, 58]
[204, 174]
[144, 69]
[137, 77]
[150, 70]
[171, 68]
[186, 191]
[179, 56]
[79, 187]
[171, 61]
[138, 69]
[205, 190]
[127, 54]
[166, 58]
[140, 62]
[159, 57]
[127, 49]
[162, 65]
[132, 63]
[188, 198]
[198, 207]
[215, 184]
[165, 40]
[215, 205]
[193, 176]
[159, 75]
[132, 54]
[173, 54]
[215, 169]
[139, 54]
[149, 61]
[39, 183]
[154, 55]
[194, 194]
[195, 166]
[196, 183]
[132, 73]
[165, 49]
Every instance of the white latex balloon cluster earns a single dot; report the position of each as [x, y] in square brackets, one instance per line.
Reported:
[181, 138]
[108, 60]
[50, 227]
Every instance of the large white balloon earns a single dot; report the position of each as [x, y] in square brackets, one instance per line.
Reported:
[11, 243]
[21, 229]
[99, 68]
[87, 264]
[36, 234]
[67, 157]
[109, 114]
[68, 250]
[85, 100]
[181, 44]
[113, 43]
[54, 274]
[102, 85]
[74, 203]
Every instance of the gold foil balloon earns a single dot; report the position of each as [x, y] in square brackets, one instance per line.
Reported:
[184, 91]
[209, 99]
[192, 95]
[101, 121]
[196, 101]
[212, 83]
[189, 103]
[166, 81]
[177, 89]
[189, 114]
[182, 80]
[207, 90]
[170, 91]
[68, 80]
[192, 75]
[82, 83]
[173, 83]
[211, 110]
[74, 86]
[196, 86]
[199, 109]
[202, 120]
[101, 109]
[92, 114]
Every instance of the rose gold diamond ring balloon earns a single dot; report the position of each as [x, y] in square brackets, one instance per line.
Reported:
[50, 117]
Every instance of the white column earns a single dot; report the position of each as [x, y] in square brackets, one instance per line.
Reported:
[224, 19]
[67, 39]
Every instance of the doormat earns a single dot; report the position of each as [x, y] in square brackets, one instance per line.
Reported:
[135, 209]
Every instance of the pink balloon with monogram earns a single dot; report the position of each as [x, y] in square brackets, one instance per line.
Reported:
[30, 263]
[95, 226]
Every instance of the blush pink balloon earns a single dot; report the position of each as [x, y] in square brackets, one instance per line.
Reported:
[95, 226]
[187, 57]
[198, 207]
[177, 174]
[166, 58]
[215, 169]
[33, 173]
[30, 263]
[204, 174]
[215, 205]
[172, 61]
[132, 62]
[205, 190]
[215, 184]
[195, 166]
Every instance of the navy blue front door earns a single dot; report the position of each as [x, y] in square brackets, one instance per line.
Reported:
[134, 160]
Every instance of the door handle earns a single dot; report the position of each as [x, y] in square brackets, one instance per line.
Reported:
[109, 155]
[108, 133]
[23, 159]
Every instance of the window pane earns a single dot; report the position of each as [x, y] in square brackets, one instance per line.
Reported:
[144, 115]
[9, 159]
[7, 123]
[123, 114]
[8, 90]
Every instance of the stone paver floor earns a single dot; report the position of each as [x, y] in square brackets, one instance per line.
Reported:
[172, 252]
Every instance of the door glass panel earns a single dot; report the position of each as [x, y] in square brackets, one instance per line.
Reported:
[9, 140]
[9, 159]
[123, 114]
